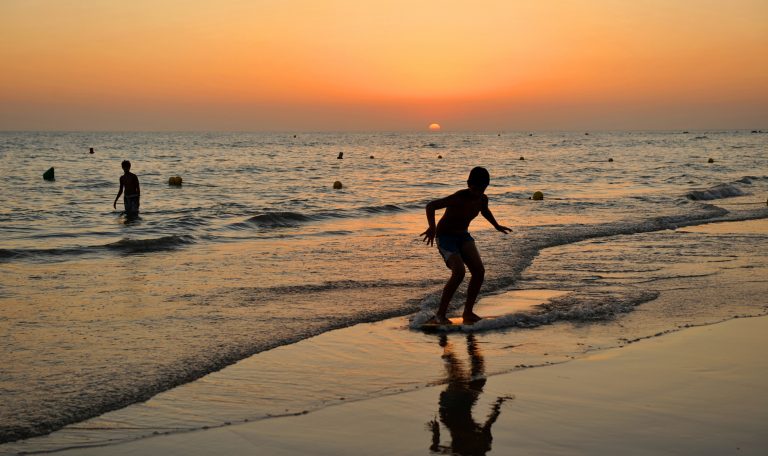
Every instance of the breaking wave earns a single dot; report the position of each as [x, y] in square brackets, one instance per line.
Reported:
[151, 245]
[716, 192]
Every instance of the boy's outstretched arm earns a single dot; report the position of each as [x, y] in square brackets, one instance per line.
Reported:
[489, 216]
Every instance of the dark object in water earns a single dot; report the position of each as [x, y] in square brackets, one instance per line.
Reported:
[48, 175]
[91, 150]
[341, 155]
[175, 181]
[522, 158]
[337, 185]
[439, 156]
[711, 160]
[610, 159]
[537, 196]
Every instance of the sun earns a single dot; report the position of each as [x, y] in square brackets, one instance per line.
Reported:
[434, 127]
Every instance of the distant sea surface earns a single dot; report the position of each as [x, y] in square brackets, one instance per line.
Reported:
[256, 249]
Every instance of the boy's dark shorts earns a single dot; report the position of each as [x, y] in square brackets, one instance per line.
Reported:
[450, 244]
[131, 204]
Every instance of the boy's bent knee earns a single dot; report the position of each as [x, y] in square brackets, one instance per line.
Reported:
[458, 273]
[457, 269]
[478, 273]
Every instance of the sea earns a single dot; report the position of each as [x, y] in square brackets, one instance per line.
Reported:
[257, 251]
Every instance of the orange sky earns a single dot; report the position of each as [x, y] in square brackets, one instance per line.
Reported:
[383, 65]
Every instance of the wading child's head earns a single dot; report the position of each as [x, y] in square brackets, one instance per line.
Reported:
[126, 166]
[479, 178]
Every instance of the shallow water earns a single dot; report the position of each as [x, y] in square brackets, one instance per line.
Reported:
[256, 250]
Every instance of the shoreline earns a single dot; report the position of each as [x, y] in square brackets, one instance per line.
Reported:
[700, 390]
[387, 361]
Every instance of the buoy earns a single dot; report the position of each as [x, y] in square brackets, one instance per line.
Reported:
[537, 196]
[341, 155]
[610, 159]
[711, 160]
[586, 134]
[371, 156]
[175, 180]
[522, 158]
[91, 151]
[48, 175]
[337, 185]
[439, 156]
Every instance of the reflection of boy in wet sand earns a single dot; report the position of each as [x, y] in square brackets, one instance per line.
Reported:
[456, 402]
[129, 183]
[455, 243]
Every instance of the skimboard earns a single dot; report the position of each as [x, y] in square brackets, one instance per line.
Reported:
[457, 323]
[498, 306]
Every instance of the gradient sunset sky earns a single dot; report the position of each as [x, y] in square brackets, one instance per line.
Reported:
[350, 65]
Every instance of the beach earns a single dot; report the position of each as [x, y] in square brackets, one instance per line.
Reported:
[564, 388]
[697, 391]
[257, 297]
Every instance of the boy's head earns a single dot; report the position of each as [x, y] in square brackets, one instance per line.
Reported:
[126, 165]
[479, 178]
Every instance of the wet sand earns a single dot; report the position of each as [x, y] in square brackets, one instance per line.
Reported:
[697, 391]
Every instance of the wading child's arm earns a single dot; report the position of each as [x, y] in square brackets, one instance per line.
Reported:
[119, 192]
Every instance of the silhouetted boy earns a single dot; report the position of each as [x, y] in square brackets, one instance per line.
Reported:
[130, 184]
[455, 243]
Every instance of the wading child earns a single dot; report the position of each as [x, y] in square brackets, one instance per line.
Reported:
[456, 245]
[129, 183]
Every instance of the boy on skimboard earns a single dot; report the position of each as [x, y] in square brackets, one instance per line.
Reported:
[456, 245]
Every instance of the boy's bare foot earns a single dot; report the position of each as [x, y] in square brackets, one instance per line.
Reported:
[471, 318]
[439, 320]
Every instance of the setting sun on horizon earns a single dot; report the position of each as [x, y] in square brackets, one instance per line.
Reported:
[385, 65]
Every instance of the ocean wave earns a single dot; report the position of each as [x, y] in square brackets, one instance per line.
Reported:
[382, 209]
[580, 307]
[7, 254]
[152, 244]
[16, 254]
[287, 219]
[717, 192]
[97, 184]
[576, 306]
[279, 219]
[749, 180]
[240, 296]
